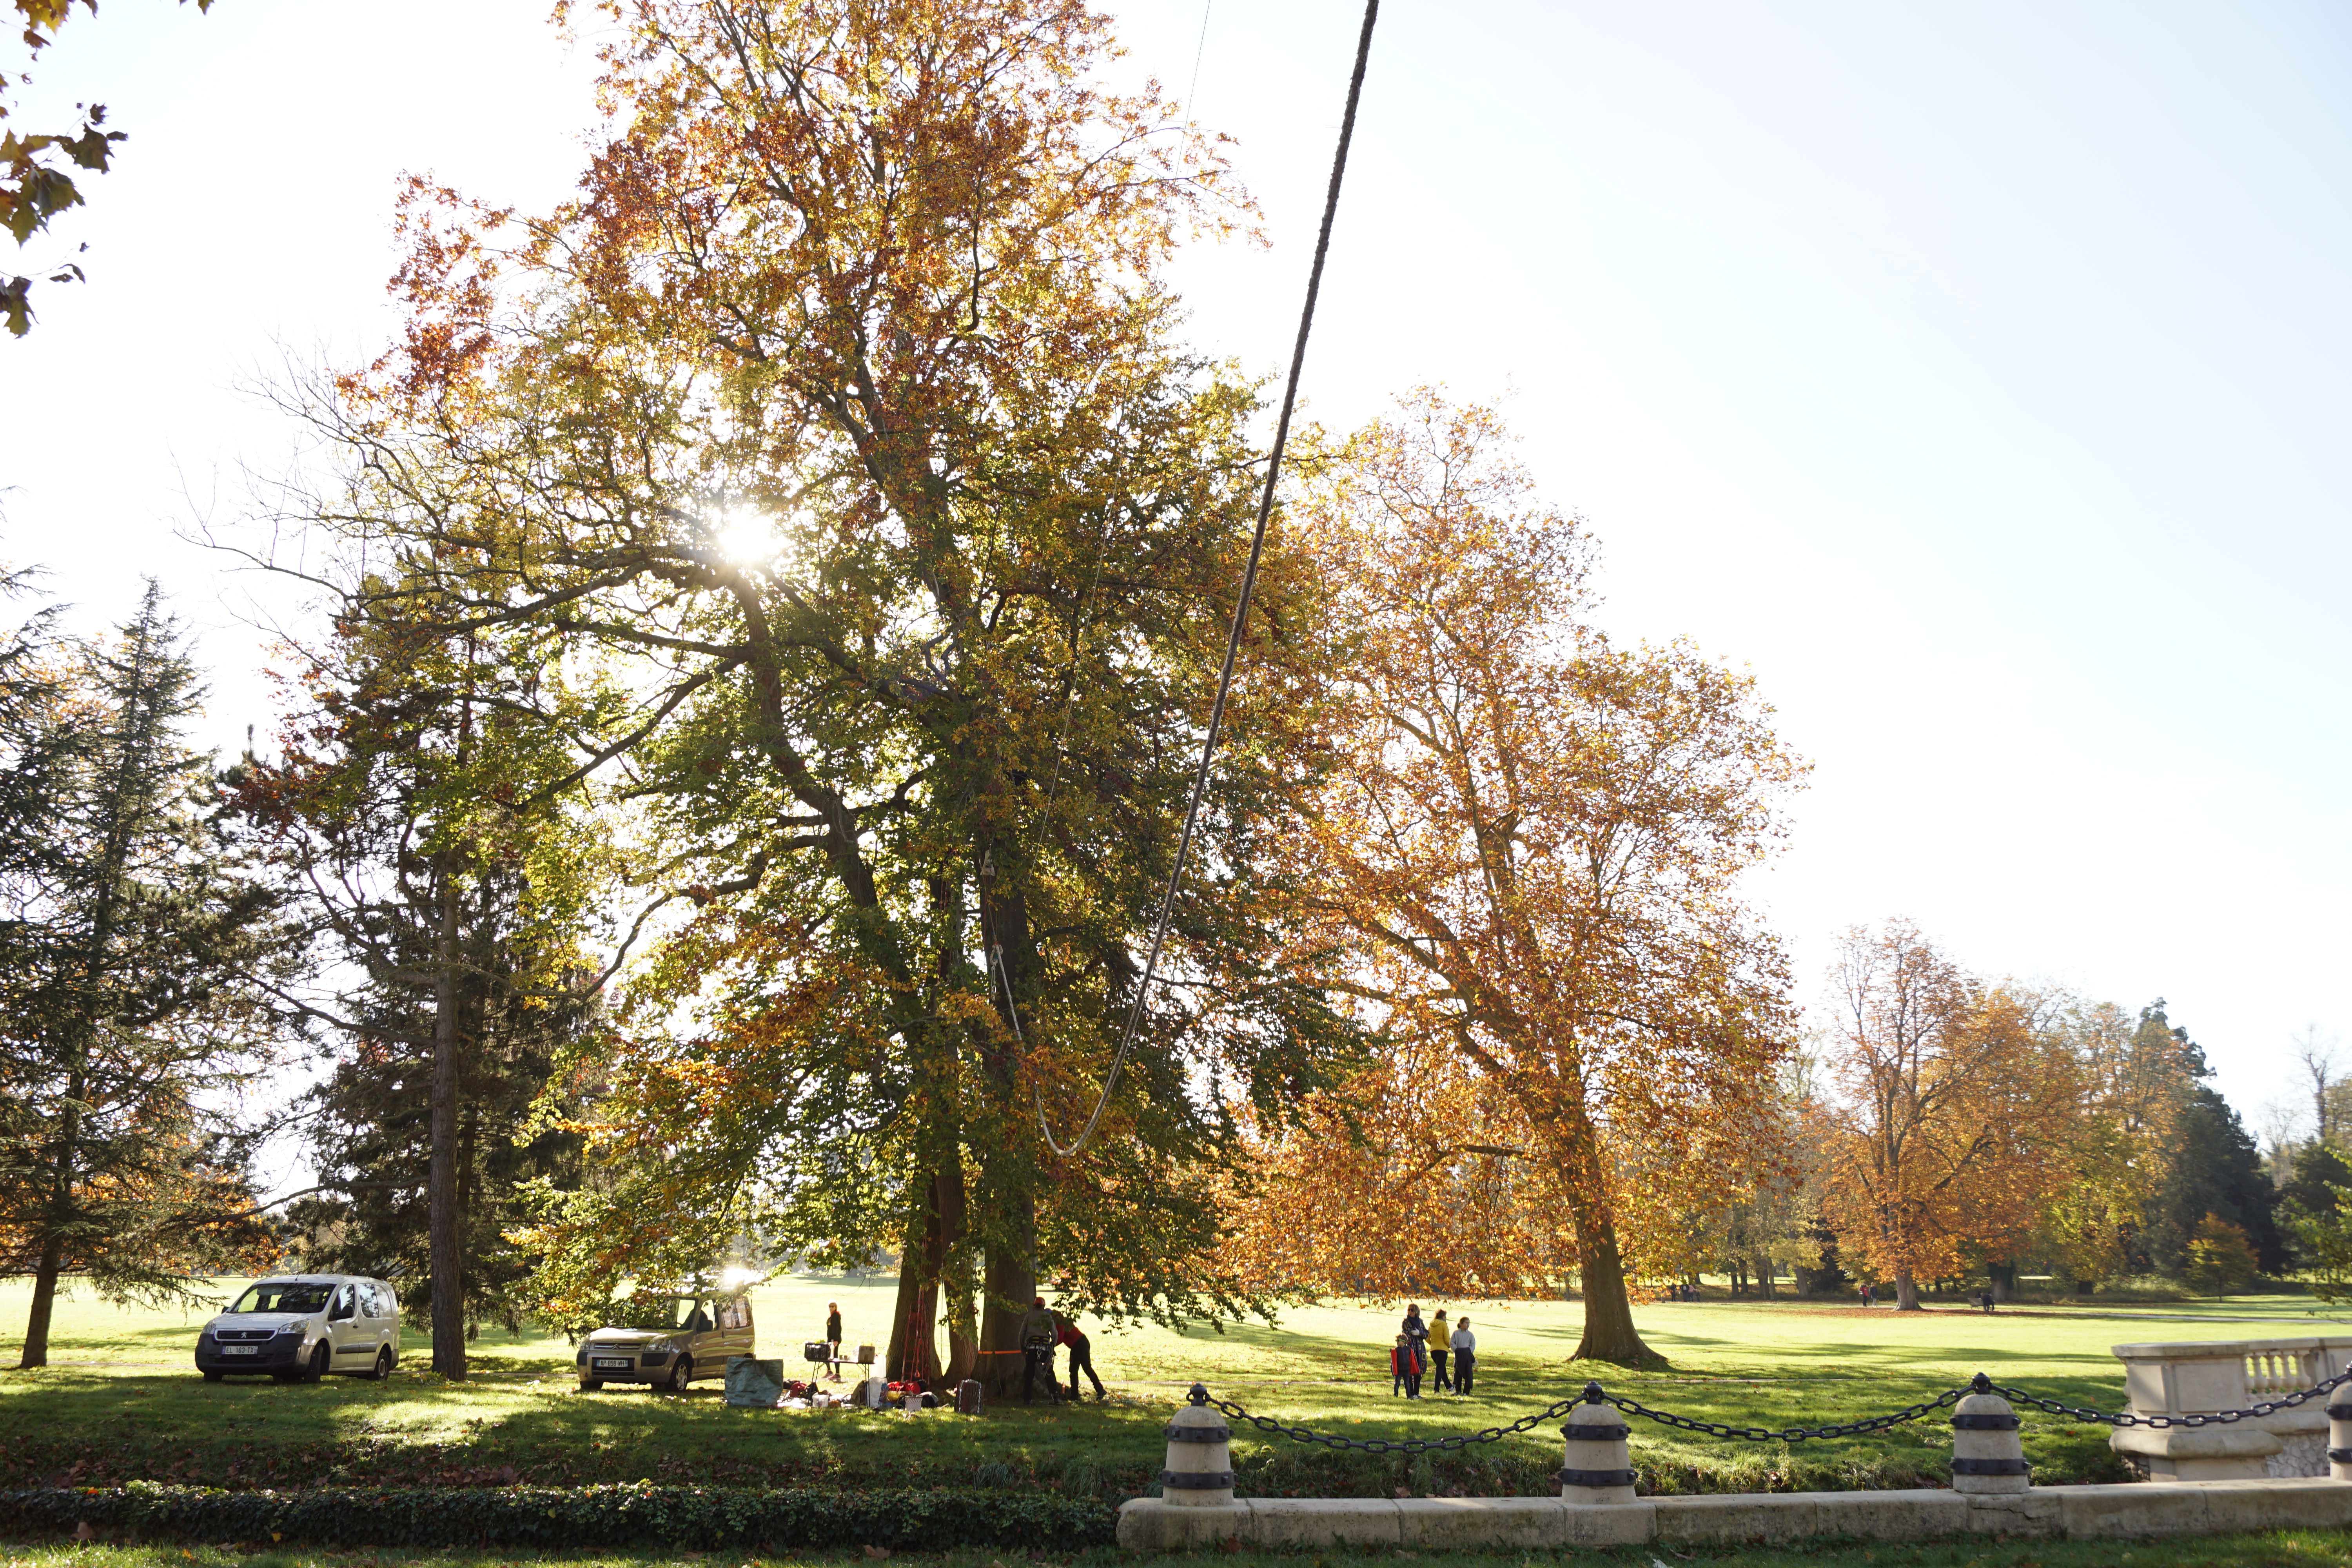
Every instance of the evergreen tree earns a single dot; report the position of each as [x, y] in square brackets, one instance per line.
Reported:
[417, 811]
[2217, 1170]
[124, 1010]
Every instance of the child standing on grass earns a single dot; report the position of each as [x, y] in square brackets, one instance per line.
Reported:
[1465, 1357]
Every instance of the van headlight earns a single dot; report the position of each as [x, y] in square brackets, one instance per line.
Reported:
[289, 1328]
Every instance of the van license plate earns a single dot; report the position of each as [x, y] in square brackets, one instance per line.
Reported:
[240, 1350]
[612, 1363]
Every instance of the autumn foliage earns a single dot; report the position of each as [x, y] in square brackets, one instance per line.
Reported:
[1530, 846]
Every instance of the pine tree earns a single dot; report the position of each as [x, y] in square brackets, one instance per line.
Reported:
[124, 1002]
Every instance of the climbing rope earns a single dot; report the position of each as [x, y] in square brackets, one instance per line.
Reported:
[1241, 609]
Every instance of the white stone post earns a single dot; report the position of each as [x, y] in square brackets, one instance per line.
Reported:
[1987, 1455]
[1200, 1472]
[1595, 1466]
[2339, 1431]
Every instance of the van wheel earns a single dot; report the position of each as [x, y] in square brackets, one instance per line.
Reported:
[383, 1368]
[591, 1384]
[679, 1374]
[318, 1367]
[211, 1376]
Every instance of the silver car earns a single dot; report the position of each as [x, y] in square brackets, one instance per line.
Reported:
[301, 1327]
[673, 1338]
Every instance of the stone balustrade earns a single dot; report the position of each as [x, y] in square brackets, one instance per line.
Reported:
[2189, 1377]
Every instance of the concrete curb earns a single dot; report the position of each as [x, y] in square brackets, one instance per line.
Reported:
[2134, 1512]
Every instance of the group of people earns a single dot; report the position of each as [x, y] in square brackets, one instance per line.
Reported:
[1420, 1346]
[1042, 1331]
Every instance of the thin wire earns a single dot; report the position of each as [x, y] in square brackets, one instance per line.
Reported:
[1191, 116]
[1240, 607]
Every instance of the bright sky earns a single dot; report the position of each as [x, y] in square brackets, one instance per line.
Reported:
[1981, 376]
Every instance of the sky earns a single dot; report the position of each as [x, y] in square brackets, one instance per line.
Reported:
[1979, 378]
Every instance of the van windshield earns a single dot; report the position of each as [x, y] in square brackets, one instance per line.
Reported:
[284, 1295]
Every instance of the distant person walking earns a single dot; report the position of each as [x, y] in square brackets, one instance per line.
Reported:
[1866, 1294]
[1039, 1331]
[832, 1339]
[1465, 1357]
[1416, 1335]
[1440, 1342]
[1082, 1359]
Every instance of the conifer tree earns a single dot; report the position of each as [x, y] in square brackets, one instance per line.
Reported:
[125, 1009]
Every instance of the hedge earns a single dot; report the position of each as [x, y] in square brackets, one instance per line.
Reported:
[685, 1517]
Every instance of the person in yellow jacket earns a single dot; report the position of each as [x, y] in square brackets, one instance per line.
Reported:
[1440, 1335]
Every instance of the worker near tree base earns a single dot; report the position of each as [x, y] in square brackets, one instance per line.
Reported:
[1082, 1359]
[1039, 1331]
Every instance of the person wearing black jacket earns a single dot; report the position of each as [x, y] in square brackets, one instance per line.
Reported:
[1416, 1333]
[833, 1338]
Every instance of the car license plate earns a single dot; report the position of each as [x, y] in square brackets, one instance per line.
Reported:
[240, 1350]
[611, 1363]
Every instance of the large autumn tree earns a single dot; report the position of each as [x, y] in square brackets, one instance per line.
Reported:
[1531, 842]
[842, 422]
[1957, 1110]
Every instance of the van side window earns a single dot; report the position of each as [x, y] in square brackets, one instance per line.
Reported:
[372, 1303]
[345, 1298]
[731, 1315]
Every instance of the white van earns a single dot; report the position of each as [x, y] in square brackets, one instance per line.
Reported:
[302, 1326]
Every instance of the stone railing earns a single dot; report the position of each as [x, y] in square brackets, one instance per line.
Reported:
[2184, 1379]
[1992, 1492]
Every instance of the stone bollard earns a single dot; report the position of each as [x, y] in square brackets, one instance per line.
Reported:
[1594, 1467]
[1200, 1472]
[2339, 1433]
[1987, 1455]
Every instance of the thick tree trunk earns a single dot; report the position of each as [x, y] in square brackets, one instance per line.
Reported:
[914, 1328]
[444, 1255]
[1011, 1286]
[1764, 1278]
[1608, 1331]
[2004, 1281]
[1906, 1292]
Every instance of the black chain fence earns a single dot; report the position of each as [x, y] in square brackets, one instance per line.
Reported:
[1595, 1393]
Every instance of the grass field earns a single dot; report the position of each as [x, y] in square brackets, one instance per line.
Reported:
[2284, 1549]
[121, 1401]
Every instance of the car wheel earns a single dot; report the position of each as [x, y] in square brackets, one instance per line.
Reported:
[210, 1376]
[591, 1384]
[383, 1368]
[680, 1373]
[318, 1367]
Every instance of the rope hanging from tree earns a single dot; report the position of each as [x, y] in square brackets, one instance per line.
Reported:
[1234, 637]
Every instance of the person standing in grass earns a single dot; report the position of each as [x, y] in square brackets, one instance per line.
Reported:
[1040, 1332]
[1416, 1348]
[833, 1340]
[1082, 1359]
[1465, 1357]
[1439, 1343]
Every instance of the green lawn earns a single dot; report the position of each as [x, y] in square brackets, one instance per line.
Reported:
[121, 1401]
[2284, 1549]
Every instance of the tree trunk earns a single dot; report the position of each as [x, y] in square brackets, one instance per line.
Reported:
[45, 1296]
[1012, 1285]
[1609, 1332]
[1764, 1266]
[1906, 1292]
[914, 1328]
[53, 1245]
[2004, 1281]
[442, 1252]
